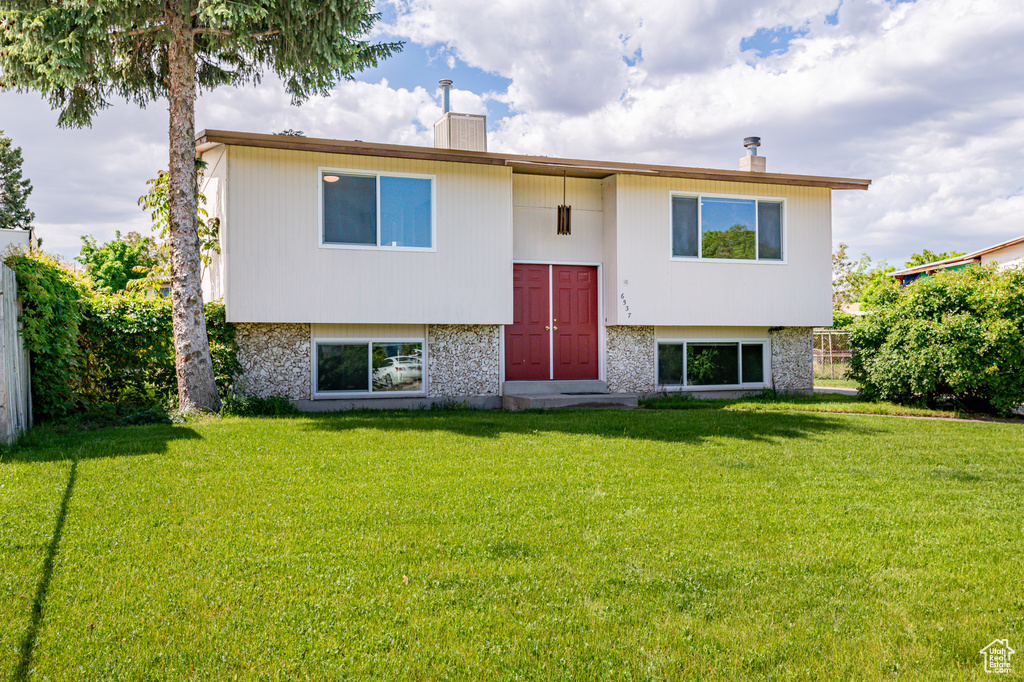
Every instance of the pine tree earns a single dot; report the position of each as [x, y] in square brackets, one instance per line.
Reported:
[80, 54]
[14, 189]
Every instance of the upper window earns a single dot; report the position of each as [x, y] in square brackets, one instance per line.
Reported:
[724, 228]
[374, 210]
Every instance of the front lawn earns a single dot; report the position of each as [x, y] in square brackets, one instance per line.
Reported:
[645, 544]
[836, 403]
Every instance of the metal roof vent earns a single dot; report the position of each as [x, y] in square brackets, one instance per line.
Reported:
[752, 163]
[446, 95]
[458, 131]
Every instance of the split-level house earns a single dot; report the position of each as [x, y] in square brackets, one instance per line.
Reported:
[376, 274]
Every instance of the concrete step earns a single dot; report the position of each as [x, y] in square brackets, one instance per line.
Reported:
[553, 387]
[556, 400]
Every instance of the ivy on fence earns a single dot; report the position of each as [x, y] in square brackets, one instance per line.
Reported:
[53, 301]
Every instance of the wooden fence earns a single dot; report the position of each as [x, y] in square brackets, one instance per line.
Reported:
[15, 394]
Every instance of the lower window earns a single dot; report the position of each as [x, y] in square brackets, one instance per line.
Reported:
[369, 366]
[711, 363]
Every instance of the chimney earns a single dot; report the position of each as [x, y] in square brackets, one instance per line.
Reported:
[752, 163]
[458, 131]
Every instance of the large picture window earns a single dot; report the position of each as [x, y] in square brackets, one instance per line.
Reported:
[369, 366]
[724, 228]
[712, 363]
[376, 210]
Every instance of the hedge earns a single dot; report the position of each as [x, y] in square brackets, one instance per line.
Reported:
[955, 336]
[88, 349]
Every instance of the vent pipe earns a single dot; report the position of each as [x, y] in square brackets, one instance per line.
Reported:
[446, 100]
[752, 163]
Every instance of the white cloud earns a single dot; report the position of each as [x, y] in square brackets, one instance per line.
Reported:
[918, 96]
[85, 180]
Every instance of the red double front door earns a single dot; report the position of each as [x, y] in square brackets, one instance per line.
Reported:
[554, 330]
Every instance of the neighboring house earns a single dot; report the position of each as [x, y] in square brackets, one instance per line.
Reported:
[1006, 254]
[852, 308]
[365, 272]
[18, 239]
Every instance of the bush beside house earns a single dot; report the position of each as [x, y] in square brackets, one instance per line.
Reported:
[89, 349]
[956, 336]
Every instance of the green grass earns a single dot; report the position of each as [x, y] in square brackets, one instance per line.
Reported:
[836, 383]
[695, 544]
[837, 403]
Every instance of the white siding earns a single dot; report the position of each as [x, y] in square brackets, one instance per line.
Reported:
[214, 187]
[662, 291]
[19, 238]
[272, 268]
[375, 332]
[279, 273]
[1011, 256]
[721, 333]
[611, 300]
[535, 201]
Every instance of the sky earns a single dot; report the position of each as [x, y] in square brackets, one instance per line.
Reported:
[925, 98]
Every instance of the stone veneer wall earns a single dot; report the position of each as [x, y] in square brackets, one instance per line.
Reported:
[630, 360]
[792, 358]
[275, 360]
[463, 360]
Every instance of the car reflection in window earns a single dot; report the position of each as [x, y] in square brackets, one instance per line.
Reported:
[399, 373]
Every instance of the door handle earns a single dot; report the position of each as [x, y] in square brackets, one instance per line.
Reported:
[547, 328]
[556, 329]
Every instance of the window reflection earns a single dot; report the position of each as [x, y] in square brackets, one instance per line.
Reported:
[728, 228]
[364, 367]
[397, 367]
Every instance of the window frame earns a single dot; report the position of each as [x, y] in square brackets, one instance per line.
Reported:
[766, 357]
[369, 393]
[376, 175]
[700, 228]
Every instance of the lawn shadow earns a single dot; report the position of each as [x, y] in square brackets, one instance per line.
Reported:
[28, 642]
[687, 426]
[42, 445]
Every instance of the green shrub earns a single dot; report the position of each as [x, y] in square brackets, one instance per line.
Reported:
[53, 303]
[129, 343]
[129, 351]
[247, 406]
[223, 347]
[114, 351]
[955, 336]
[841, 320]
[451, 405]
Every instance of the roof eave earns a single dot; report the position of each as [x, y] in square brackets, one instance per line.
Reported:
[534, 165]
[966, 258]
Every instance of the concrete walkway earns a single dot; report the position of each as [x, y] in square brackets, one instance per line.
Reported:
[830, 389]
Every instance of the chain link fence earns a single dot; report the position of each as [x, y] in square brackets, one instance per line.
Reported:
[831, 354]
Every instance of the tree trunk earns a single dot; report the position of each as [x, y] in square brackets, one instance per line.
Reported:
[197, 388]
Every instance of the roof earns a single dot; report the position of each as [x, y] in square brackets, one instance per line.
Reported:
[956, 260]
[532, 165]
